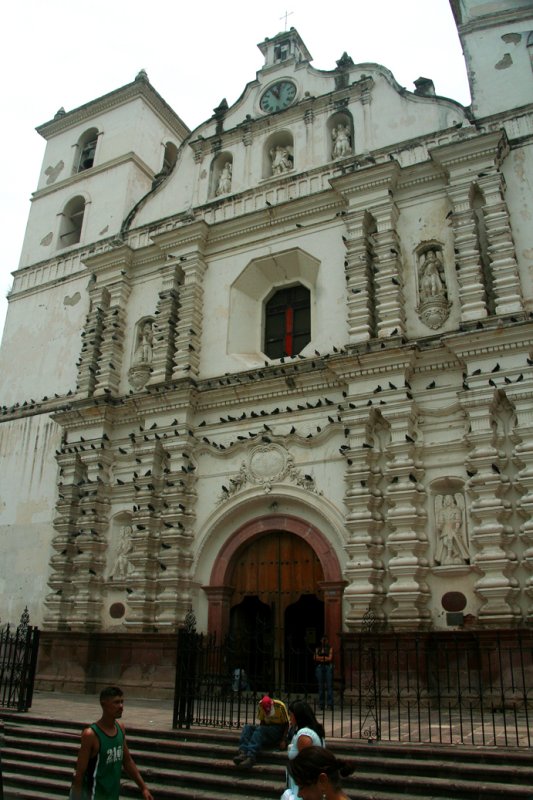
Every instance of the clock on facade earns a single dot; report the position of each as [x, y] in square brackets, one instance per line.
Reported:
[278, 96]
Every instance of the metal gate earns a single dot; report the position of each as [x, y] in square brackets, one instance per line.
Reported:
[18, 661]
[444, 687]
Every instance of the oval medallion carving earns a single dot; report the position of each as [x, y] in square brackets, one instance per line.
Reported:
[268, 463]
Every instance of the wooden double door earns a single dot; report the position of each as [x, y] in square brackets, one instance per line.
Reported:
[277, 612]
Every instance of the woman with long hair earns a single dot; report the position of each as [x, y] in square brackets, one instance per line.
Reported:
[306, 731]
[317, 773]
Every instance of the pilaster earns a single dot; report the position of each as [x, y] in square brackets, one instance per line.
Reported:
[523, 453]
[389, 299]
[406, 522]
[373, 265]
[357, 266]
[472, 298]
[92, 335]
[190, 320]
[166, 316]
[497, 588]
[88, 563]
[365, 526]
[112, 342]
[504, 267]
[176, 537]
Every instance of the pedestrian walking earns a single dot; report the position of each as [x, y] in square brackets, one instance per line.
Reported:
[104, 753]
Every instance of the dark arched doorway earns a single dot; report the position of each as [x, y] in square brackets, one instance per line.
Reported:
[304, 627]
[238, 573]
[277, 610]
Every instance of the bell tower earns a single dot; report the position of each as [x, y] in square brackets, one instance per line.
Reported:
[497, 40]
[285, 46]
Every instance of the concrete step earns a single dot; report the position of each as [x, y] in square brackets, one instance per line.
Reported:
[39, 759]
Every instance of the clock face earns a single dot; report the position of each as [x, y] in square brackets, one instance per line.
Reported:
[278, 96]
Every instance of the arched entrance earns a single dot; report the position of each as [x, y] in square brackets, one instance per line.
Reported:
[276, 587]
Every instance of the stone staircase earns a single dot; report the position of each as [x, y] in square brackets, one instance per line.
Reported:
[38, 757]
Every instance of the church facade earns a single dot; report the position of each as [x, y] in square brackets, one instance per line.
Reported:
[277, 370]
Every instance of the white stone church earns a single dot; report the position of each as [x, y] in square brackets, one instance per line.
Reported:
[278, 370]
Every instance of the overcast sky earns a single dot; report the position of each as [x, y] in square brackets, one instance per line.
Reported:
[57, 53]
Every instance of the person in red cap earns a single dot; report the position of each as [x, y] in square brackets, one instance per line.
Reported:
[271, 732]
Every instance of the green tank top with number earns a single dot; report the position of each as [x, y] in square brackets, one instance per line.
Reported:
[102, 779]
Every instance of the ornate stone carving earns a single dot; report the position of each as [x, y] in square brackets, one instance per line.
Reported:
[266, 465]
[451, 548]
[282, 159]
[140, 370]
[433, 307]
[123, 566]
[342, 142]
[224, 180]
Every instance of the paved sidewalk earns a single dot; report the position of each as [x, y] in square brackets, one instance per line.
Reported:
[82, 708]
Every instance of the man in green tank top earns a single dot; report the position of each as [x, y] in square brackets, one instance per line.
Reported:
[103, 753]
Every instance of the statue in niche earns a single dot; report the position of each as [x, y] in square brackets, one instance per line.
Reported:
[282, 159]
[430, 283]
[342, 145]
[143, 351]
[224, 180]
[451, 546]
[122, 566]
[433, 307]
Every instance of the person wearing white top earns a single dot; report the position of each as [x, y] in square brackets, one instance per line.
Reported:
[306, 732]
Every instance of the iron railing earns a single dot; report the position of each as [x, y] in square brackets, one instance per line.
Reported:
[18, 660]
[448, 688]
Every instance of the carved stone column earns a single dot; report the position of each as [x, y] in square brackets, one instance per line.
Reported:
[390, 304]
[524, 456]
[88, 563]
[92, 335]
[176, 537]
[406, 521]
[373, 266]
[189, 325]
[59, 601]
[357, 266]
[112, 342]
[164, 328]
[497, 587]
[146, 525]
[333, 595]
[472, 165]
[219, 610]
[472, 298]
[364, 523]
[506, 280]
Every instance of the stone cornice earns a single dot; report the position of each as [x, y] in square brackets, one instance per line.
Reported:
[80, 177]
[379, 177]
[193, 236]
[484, 148]
[491, 341]
[492, 20]
[140, 88]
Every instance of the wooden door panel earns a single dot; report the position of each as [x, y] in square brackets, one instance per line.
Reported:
[276, 565]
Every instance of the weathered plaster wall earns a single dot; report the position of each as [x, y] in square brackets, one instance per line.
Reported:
[29, 477]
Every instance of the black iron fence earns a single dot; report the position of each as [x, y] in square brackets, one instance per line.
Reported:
[472, 688]
[18, 660]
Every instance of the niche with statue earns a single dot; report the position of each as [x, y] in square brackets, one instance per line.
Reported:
[433, 307]
[340, 135]
[141, 365]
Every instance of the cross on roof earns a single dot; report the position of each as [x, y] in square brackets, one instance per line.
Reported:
[285, 15]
